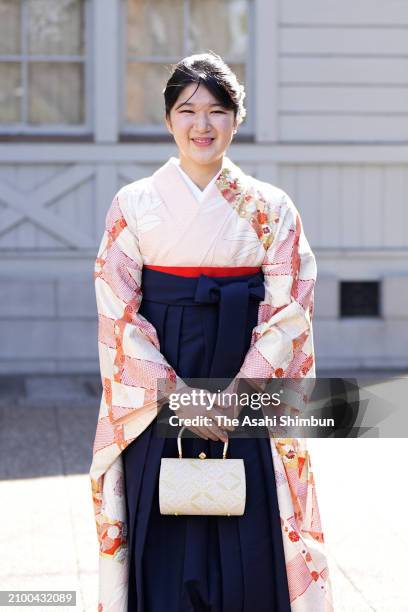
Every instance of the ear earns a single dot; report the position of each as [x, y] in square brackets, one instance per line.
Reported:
[168, 124]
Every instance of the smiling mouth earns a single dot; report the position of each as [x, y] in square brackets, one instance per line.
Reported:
[202, 141]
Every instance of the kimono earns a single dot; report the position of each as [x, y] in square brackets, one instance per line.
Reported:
[157, 225]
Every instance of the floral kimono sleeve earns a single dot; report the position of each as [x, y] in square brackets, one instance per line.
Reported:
[282, 346]
[282, 342]
[131, 363]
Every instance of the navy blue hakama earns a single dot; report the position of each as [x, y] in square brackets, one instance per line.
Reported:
[203, 563]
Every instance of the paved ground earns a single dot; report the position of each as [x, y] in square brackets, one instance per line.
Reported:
[47, 534]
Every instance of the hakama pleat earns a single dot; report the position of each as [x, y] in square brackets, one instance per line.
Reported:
[201, 563]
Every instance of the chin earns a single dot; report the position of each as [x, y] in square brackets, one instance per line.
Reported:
[206, 158]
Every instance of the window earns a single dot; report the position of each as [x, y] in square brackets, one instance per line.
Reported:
[359, 299]
[42, 66]
[158, 33]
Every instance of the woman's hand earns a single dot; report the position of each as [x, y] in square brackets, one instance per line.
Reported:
[209, 428]
[229, 406]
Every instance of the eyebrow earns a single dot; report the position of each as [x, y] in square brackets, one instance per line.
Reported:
[192, 104]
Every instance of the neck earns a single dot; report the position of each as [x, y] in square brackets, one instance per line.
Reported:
[200, 175]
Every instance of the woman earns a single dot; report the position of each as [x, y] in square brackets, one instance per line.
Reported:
[203, 271]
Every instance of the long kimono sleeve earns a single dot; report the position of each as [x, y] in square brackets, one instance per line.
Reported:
[282, 342]
[282, 347]
[131, 363]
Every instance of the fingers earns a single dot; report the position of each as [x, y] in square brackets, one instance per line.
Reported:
[211, 432]
[218, 431]
[208, 434]
[215, 433]
[198, 432]
[227, 415]
[203, 432]
[223, 426]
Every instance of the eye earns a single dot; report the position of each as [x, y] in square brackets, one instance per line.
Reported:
[186, 111]
[221, 112]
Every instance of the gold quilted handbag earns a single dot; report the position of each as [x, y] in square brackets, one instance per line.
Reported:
[202, 486]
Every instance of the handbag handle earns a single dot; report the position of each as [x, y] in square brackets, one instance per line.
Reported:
[224, 452]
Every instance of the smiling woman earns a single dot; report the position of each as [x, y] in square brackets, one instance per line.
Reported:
[202, 130]
[203, 272]
[204, 106]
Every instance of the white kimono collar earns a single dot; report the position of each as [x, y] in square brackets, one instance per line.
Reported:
[171, 184]
[198, 193]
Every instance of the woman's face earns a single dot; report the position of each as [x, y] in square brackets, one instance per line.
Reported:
[201, 127]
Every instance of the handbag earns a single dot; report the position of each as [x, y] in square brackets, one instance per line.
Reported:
[202, 486]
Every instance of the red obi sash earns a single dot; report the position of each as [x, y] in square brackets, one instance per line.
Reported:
[196, 271]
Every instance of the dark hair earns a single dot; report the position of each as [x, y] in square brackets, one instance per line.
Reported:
[210, 70]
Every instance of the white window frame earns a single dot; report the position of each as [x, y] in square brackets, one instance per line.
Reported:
[127, 128]
[266, 71]
[24, 58]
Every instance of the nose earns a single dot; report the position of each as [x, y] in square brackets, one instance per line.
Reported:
[202, 122]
